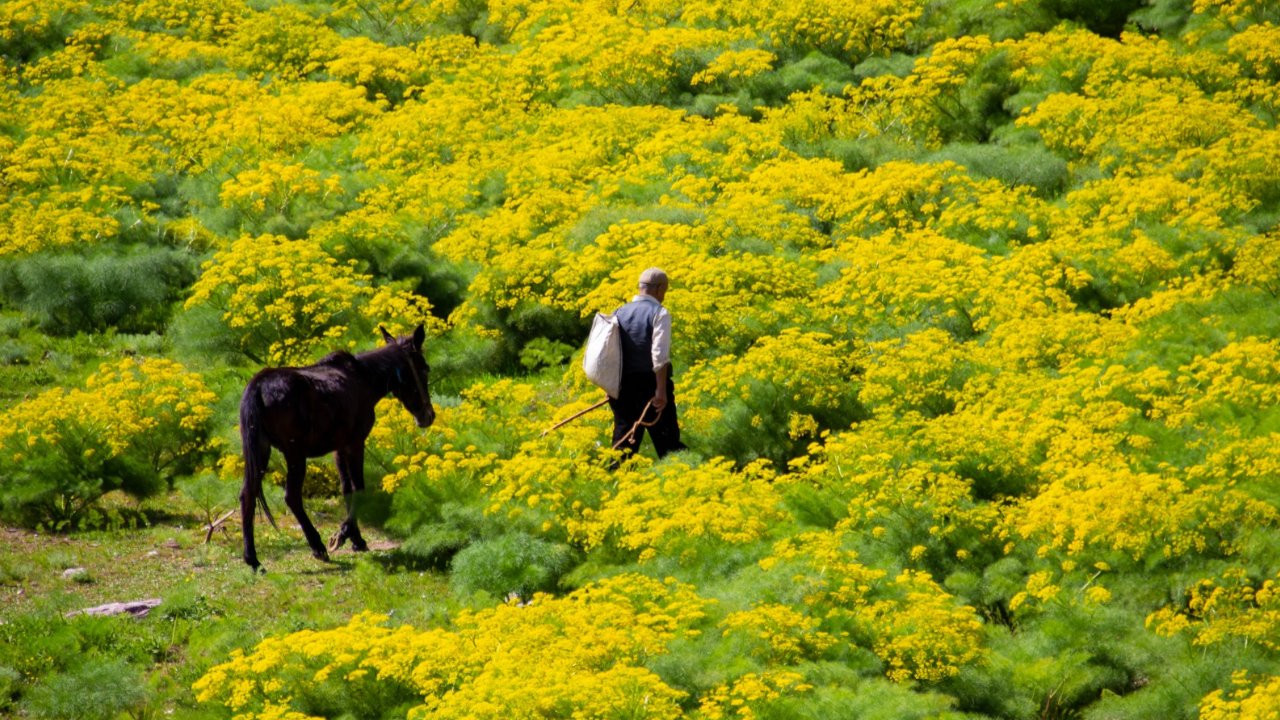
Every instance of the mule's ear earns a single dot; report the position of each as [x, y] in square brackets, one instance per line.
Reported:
[386, 335]
[419, 336]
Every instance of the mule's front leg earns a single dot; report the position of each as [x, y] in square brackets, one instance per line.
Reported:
[293, 499]
[350, 464]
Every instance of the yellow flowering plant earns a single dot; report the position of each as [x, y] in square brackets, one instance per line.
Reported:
[579, 655]
[135, 425]
[779, 634]
[745, 696]
[1250, 698]
[282, 301]
[1233, 608]
[774, 399]
[681, 510]
[916, 628]
[275, 188]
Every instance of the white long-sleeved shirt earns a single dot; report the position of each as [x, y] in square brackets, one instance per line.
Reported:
[660, 350]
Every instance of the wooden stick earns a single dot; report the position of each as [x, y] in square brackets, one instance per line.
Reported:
[570, 419]
[216, 524]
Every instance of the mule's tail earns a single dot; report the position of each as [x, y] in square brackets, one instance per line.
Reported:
[256, 449]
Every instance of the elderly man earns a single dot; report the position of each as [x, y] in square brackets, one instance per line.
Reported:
[646, 370]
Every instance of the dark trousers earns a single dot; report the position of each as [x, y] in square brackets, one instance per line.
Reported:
[635, 391]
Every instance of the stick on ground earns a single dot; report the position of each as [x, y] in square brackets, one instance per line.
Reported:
[216, 524]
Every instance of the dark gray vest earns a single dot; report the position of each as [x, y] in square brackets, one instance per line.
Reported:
[636, 320]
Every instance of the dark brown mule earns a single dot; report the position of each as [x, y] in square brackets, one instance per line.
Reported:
[323, 408]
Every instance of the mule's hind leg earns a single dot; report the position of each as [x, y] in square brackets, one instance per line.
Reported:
[350, 464]
[293, 498]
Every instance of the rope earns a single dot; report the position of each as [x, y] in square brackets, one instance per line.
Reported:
[631, 434]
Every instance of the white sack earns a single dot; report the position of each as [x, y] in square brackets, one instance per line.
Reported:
[602, 360]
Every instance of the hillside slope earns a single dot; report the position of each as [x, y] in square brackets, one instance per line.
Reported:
[976, 336]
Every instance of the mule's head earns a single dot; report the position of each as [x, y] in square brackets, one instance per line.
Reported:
[412, 376]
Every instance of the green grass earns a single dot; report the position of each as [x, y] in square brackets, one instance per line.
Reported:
[212, 603]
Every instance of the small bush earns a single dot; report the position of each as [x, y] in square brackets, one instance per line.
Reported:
[279, 301]
[815, 70]
[100, 688]
[135, 425]
[1031, 165]
[773, 400]
[541, 352]
[186, 602]
[211, 493]
[1163, 16]
[65, 294]
[433, 546]
[512, 563]
[1000, 21]
[55, 484]
[867, 699]
[39, 28]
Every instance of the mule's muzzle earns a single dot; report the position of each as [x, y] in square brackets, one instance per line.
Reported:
[427, 418]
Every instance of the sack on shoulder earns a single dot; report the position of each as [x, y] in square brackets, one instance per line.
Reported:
[602, 360]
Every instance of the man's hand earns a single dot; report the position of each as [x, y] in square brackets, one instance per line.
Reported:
[659, 400]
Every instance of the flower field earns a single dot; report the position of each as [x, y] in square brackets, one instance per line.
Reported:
[976, 337]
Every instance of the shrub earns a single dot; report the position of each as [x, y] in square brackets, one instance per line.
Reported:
[134, 425]
[578, 656]
[285, 41]
[1031, 165]
[813, 70]
[918, 630]
[951, 18]
[210, 493]
[131, 290]
[281, 301]
[683, 510]
[512, 563]
[541, 352]
[774, 399]
[99, 689]
[54, 477]
[865, 699]
[288, 196]
[1163, 16]
[31, 27]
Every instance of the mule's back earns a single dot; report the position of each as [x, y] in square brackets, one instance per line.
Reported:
[313, 410]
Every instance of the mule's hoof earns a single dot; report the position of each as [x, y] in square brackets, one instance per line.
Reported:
[348, 532]
[322, 555]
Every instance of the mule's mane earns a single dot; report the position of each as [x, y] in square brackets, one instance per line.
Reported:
[380, 362]
[338, 358]
[383, 365]
[383, 360]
